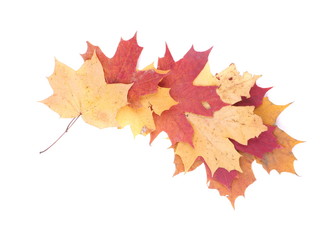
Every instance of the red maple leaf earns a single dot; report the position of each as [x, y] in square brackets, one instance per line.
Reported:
[258, 146]
[256, 95]
[122, 68]
[195, 99]
[175, 124]
[222, 176]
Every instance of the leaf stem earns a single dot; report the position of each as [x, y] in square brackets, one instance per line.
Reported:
[67, 129]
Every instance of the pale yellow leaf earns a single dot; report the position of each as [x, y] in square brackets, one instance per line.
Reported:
[85, 92]
[211, 137]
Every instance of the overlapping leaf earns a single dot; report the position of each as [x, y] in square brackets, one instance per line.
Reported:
[122, 68]
[85, 92]
[211, 137]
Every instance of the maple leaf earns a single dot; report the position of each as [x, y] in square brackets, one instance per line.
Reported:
[211, 137]
[238, 184]
[269, 112]
[264, 143]
[141, 119]
[232, 87]
[280, 159]
[85, 92]
[146, 83]
[121, 68]
[175, 124]
[180, 81]
[185, 70]
[201, 100]
[256, 97]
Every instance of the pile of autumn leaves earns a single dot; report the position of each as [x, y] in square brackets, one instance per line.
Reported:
[221, 121]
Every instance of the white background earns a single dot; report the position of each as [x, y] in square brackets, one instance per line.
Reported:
[103, 184]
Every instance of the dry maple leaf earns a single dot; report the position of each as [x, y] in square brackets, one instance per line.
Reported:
[211, 137]
[232, 87]
[202, 100]
[223, 179]
[122, 68]
[256, 97]
[180, 79]
[175, 124]
[264, 143]
[272, 148]
[279, 159]
[85, 92]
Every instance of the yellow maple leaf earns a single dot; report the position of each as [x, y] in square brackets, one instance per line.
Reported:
[211, 137]
[85, 92]
[231, 85]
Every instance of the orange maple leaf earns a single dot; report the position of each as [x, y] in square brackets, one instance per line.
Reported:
[280, 159]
